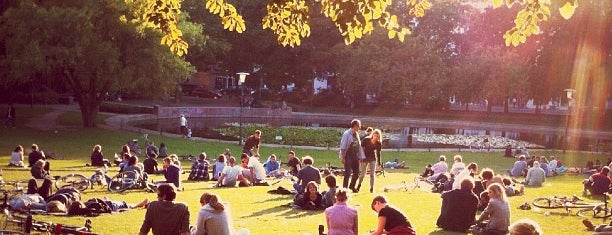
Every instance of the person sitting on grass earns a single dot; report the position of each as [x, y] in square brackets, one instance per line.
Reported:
[519, 167]
[390, 220]
[17, 157]
[232, 174]
[470, 172]
[214, 217]
[172, 173]
[272, 165]
[598, 183]
[150, 164]
[544, 165]
[342, 219]
[306, 175]
[294, 164]
[257, 172]
[97, 158]
[199, 168]
[438, 169]
[133, 166]
[39, 174]
[311, 199]
[458, 208]
[535, 175]
[497, 211]
[457, 166]
[218, 166]
[329, 196]
[525, 227]
[602, 228]
[165, 216]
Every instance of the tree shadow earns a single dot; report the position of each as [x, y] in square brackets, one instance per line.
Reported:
[299, 213]
[269, 211]
[440, 231]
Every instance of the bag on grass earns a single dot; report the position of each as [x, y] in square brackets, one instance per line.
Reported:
[98, 205]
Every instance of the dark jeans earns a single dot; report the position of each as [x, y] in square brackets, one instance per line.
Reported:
[351, 165]
[10, 121]
[44, 190]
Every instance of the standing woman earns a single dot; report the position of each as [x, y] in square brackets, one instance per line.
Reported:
[341, 218]
[17, 157]
[497, 211]
[372, 146]
[214, 217]
[390, 220]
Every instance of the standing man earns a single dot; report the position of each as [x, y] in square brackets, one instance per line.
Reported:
[251, 145]
[183, 122]
[10, 116]
[350, 151]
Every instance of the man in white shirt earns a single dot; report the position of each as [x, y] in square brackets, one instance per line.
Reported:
[231, 174]
[256, 169]
[183, 122]
[439, 168]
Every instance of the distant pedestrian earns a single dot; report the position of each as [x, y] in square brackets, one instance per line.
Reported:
[183, 123]
[10, 116]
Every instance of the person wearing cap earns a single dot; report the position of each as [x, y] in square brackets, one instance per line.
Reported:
[183, 125]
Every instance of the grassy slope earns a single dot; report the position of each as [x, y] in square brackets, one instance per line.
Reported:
[262, 213]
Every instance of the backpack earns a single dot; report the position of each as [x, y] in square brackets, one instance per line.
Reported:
[97, 205]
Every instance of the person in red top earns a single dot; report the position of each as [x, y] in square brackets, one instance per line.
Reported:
[598, 183]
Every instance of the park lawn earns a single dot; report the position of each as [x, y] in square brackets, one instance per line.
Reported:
[264, 213]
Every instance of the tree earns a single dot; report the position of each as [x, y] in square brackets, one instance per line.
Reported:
[91, 46]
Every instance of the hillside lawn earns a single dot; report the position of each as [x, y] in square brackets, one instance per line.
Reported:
[262, 213]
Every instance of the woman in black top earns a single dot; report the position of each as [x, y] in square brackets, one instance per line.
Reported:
[390, 220]
[97, 158]
[372, 146]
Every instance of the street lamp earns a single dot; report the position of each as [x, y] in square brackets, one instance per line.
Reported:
[570, 101]
[241, 79]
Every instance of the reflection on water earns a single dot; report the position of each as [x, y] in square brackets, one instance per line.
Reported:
[395, 137]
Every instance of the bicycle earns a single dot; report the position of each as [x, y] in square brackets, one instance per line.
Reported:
[600, 211]
[27, 224]
[76, 181]
[557, 202]
[129, 180]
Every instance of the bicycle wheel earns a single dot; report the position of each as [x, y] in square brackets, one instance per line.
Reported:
[547, 203]
[123, 181]
[596, 212]
[76, 181]
[11, 222]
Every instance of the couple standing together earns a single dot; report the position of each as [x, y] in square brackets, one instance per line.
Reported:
[358, 155]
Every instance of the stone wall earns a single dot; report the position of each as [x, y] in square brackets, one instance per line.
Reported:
[170, 112]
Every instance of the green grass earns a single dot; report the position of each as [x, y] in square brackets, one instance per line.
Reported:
[263, 213]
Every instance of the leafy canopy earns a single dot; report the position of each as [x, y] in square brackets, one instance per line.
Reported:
[290, 19]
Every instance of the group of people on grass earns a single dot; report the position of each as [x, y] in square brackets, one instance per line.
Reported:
[465, 190]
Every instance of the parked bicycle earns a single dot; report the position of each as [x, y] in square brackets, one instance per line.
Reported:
[76, 181]
[129, 180]
[565, 202]
[600, 211]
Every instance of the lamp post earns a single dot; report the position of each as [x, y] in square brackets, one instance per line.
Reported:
[570, 100]
[241, 79]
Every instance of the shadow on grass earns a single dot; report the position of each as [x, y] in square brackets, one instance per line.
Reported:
[299, 213]
[270, 210]
[439, 231]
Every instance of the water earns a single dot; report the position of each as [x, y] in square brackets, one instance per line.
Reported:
[395, 136]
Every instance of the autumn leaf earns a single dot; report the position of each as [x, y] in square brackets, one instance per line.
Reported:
[567, 10]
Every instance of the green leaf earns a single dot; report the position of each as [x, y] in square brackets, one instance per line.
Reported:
[567, 10]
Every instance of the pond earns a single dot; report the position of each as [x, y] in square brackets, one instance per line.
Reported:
[397, 136]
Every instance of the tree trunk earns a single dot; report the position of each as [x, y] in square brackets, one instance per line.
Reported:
[90, 106]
